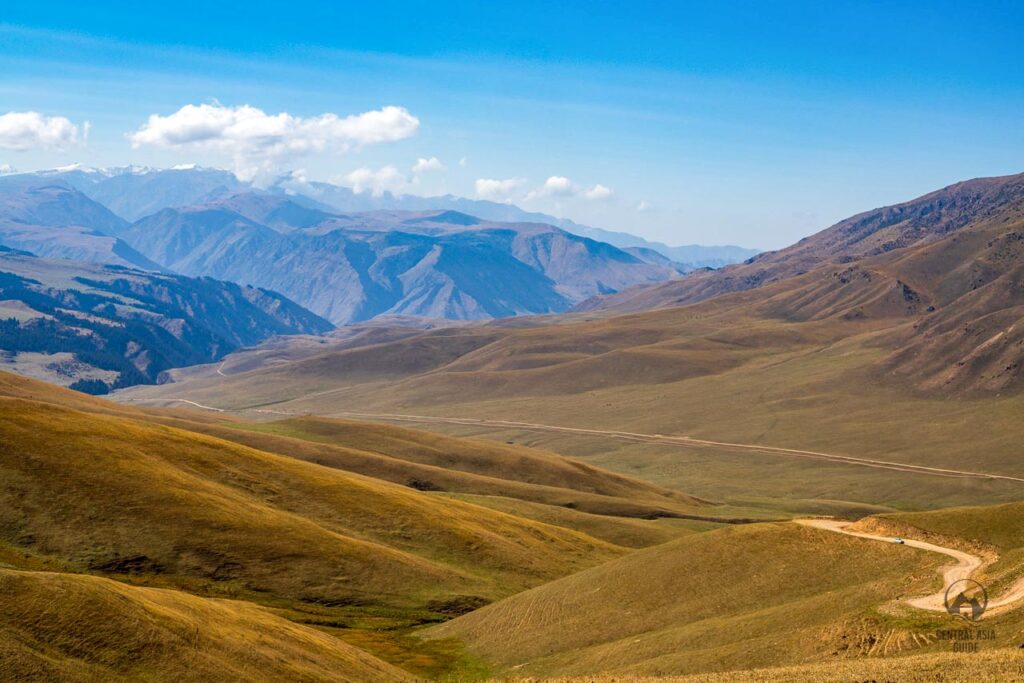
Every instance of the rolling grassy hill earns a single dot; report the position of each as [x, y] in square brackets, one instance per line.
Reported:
[728, 599]
[998, 531]
[111, 502]
[242, 511]
[731, 600]
[71, 627]
[994, 666]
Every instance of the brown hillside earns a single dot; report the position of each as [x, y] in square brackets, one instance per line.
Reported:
[86, 629]
[871, 233]
[729, 599]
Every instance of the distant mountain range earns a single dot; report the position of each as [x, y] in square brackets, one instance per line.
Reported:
[96, 327]
[344, 199]
[349, 268]
[134, 192]
[403, 257]
[51, 220]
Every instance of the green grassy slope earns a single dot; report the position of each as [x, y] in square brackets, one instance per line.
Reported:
[733, 598]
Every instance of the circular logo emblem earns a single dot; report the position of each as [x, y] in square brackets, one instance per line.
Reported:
[966, 599]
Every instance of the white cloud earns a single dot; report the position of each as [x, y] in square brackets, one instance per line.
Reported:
[597, 192]
[25, 130]
[497, 190]
[7, 169]
[555, 186]
[385, 179]
[560, 186]
[643, 205]
[424, 165]
[259, 142]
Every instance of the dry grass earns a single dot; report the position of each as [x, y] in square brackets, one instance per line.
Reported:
[997, 530]
[733, 598]
[996, 666]
[710, 371]
[65, 627]
[105, 489]
[102, 492]
[438, 463]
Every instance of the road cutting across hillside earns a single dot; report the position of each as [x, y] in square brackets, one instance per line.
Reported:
[966, 565]
[685, 441]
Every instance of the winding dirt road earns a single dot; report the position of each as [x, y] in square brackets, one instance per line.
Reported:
[965, 565]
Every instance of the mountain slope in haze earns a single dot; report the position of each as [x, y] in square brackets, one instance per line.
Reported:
[345, 200]
[50, 219]
[98, 327]
[133, 193]
[349, 268]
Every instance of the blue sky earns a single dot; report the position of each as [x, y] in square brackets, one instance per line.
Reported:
[748, 123]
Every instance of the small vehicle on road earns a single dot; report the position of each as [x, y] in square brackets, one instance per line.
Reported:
[898, 540]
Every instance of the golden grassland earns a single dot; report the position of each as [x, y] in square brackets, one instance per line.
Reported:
[437, 463]
[995, 666]
[779, 594]
[73, 482]
[92, 487]
[142, 500]
[892, 335]
[818, 393]
[999, 530]
[733, 598]
[70, 627]
[288, 516]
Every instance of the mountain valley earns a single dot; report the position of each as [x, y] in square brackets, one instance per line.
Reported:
[604, 483]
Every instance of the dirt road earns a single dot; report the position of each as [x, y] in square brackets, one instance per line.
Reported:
[964, 567]
[681, 441]
[177, 400]
[685, 441]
